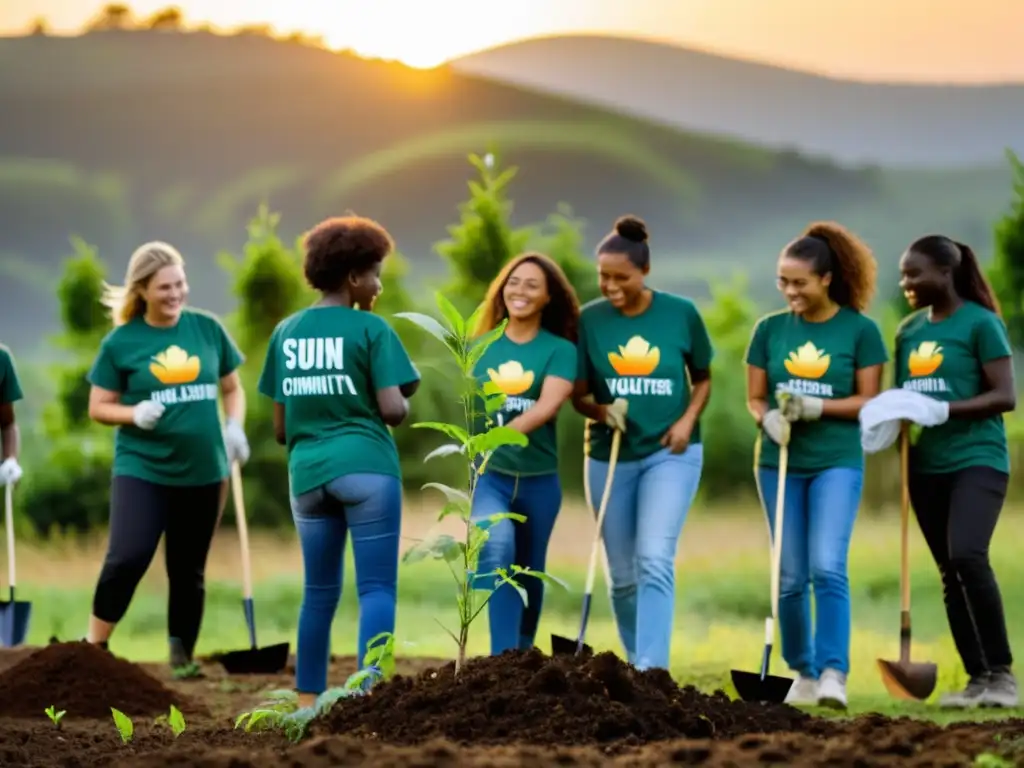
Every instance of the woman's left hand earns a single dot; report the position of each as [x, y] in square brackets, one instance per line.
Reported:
[677, 439]
[235, 442]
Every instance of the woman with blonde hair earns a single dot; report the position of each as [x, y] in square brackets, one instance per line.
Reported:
[157, 378]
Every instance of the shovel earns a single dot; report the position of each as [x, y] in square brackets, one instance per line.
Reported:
[253, 660]
[563, 646]
[906, 679]
[753, 686]
[14, 615]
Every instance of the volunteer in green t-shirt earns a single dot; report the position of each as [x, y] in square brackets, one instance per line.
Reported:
[829, 356]
[534, 364]
[339, 376]
[157, 378]
[956, 349]
[648, 350]
[10, 393]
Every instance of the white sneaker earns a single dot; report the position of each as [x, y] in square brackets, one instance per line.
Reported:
[832, 689]
[803, 691]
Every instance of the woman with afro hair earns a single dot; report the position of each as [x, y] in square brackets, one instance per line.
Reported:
[827, 356]
[339, 377]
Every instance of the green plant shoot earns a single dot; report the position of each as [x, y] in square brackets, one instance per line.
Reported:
[54, 715]
[124, 724]
[176, 721]
[475, 441]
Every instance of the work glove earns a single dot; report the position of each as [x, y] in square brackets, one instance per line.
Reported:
[10, 472]
[776, 426]
[235, 442]
[147, 413]
[615, 414]
[802, 407]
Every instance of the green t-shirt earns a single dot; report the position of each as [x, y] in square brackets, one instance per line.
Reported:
[644, 359]
[944, 360]
[519, 370]
[820, 360]
[10, 389]
[325, 365]
[180, 367]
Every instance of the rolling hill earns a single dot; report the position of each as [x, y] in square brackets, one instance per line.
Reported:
[908, 125]
[124, 136]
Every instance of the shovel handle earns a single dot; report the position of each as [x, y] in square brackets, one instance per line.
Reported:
[243, 529]
[9, 529]
[905, 521]
[780, 513]
[596, 547]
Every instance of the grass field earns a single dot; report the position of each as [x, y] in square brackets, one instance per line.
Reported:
[722, 598]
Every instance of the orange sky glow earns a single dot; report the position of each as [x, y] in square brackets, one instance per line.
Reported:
[910, 40]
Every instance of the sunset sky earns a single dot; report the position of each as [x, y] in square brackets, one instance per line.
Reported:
[930, 40]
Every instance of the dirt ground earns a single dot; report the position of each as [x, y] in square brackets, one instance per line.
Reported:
[523, 709]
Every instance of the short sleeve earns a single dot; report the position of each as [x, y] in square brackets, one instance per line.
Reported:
[268, 376]
[389, 362]
[10, 387]
[229, 354]
[563, 362]
[104, 372]
[991, 339]
[582, 358]
[870, 348]
[701, 351]
[757, 349]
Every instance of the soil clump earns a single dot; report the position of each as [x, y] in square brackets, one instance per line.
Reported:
[529, 697]
[85, 681]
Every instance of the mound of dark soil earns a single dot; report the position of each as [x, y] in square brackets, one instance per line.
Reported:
[84, 680]
[528, 697]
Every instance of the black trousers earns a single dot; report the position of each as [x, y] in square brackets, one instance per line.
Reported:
[140, 513]
[958, 513]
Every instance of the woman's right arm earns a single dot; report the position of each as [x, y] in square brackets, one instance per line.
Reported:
[584, 403]
[105, 407]
[757, 392]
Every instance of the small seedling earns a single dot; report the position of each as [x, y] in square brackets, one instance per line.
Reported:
[54, 715]
[475, 441]
[176, 721]
[125, 726]
[189, 671]
[279, 711]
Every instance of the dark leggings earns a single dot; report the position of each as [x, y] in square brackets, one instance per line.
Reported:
[958, 513]
[140, 512]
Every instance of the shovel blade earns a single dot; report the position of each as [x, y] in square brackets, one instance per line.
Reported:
[14, 621]
[752, 687]
[268, 660]
[564, 646]
[909, 680]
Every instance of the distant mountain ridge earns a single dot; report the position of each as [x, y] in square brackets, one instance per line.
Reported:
[852, 122]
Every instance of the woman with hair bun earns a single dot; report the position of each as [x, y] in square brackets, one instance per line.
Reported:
[955, 348]
[828, 357]
[157, 378]
[644, 368]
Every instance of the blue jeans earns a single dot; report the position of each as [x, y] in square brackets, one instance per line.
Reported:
[370, 506]
[816, 530]
[649, 501]
[538, 498]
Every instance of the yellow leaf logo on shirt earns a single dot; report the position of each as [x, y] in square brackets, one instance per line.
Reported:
[637, 358]
[808, 362]
[510, 378]
[925, 360]
[175, 366]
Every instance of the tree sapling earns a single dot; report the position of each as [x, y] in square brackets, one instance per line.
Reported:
[54, 715]
[124, 724]
[476, 442]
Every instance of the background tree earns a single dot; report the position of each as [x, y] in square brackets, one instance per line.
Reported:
[1008, 265]
[113, 17]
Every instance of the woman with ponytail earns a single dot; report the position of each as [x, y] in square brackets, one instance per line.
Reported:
[157, 378]
[644, 359]
[955, 348]
[827, 356]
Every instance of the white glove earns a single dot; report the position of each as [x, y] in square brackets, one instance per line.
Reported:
[10, 472]
[235, 442]
[147, 413]
[802, 407]
[615, 414]
[776, 426]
